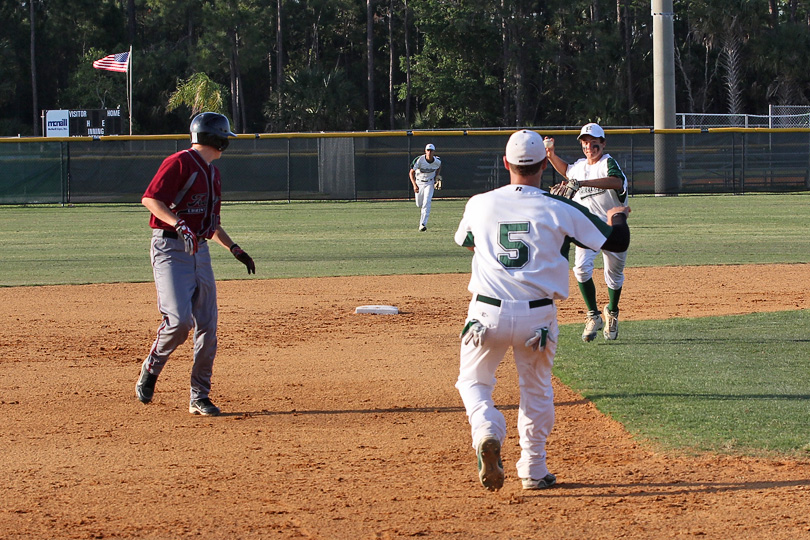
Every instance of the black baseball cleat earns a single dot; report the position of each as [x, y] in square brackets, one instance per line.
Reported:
[145, 388]
[204, 407]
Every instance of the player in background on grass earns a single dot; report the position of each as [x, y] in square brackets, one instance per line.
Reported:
[424, 171]
[184, 198]
[519, 235]
[600, 185]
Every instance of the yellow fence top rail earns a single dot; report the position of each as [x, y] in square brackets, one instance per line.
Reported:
[407, 133]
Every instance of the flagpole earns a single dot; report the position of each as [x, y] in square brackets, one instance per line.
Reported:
[129, 89]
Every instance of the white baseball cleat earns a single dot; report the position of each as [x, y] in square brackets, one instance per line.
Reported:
[611, 331]
[593, 323]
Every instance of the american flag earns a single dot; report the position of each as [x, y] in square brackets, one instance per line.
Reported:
[114, 62]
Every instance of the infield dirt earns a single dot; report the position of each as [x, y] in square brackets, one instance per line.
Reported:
[338, 425]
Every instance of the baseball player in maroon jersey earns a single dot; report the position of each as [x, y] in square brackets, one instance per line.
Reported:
[184, 198]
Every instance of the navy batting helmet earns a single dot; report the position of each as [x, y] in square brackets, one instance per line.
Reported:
[211, 129]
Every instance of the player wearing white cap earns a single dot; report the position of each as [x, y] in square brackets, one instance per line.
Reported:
[520, 236]
[424, 171]
[600, 185]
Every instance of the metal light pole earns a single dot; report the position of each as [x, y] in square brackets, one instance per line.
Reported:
[666, 165]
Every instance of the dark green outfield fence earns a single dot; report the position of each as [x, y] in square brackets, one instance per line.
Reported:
[357, 166]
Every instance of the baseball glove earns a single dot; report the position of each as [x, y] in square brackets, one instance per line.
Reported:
[565, 189]
[437, 184]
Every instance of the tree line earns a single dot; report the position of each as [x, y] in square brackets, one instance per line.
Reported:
[344, 65]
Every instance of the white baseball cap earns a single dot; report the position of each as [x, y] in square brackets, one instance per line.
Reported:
[594, 130]
[430, 147]
[525, 147]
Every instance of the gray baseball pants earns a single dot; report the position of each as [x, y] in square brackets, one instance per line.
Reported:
[187, 299]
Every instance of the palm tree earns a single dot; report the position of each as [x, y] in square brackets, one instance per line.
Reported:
[727, 26]
[199, 93]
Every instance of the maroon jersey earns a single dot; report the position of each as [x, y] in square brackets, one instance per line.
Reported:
[191, 188]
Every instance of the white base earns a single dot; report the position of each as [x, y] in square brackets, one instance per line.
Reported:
[377, 310]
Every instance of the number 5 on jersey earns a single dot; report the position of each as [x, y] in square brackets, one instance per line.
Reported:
[517, 252]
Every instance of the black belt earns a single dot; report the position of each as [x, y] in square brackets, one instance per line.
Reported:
[173, 234]
[497, 303]
[169, 234]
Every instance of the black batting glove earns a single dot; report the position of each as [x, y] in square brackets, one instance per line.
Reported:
[244, 258]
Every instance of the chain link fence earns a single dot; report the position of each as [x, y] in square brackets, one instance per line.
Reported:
[365, 166]
[779, 116]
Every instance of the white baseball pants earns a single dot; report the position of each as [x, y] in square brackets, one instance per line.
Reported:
[423, 200]
[511, 325]
[613, 263]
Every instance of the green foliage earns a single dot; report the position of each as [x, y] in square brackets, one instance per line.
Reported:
[451, 75]
[785, 61]
[316, 101]
[67, 29]
[198, 93]
[324, 85]
[230, 28]
[93, 88]
[456, 93]
[478, 63]
[8, 72]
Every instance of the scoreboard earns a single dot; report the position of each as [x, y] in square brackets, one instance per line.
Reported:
[82, 122]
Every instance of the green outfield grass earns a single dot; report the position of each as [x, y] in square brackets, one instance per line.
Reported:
[47, 245]
[733, 384]
[738, 384]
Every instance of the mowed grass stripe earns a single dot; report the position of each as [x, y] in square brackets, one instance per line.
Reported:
[50, 245]
[736, 384]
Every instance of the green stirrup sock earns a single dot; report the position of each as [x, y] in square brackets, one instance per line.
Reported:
[613, 298]
[588, 290]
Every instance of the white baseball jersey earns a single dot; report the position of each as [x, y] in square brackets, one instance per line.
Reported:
[598, 201]
[522, 235]
[424, 170]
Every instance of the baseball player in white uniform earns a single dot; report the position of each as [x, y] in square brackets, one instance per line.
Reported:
[520, 236]
[423, 173]
[600, 185]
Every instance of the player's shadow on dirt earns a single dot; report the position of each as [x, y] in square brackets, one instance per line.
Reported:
[385, 410]
[657, 489]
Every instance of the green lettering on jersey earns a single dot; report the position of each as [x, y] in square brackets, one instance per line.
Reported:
[517, 254]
